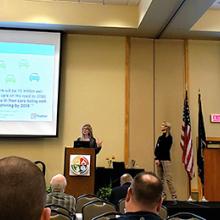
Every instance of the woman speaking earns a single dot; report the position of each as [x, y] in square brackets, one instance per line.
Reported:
[87, 135]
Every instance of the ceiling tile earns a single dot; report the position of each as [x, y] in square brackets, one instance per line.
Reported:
[216, 5]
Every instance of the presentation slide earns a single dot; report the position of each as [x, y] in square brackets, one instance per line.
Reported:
[29, 79]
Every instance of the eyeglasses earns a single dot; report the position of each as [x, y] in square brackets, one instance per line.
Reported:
[85, 128]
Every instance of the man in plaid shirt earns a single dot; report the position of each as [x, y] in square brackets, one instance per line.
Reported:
[57, 198]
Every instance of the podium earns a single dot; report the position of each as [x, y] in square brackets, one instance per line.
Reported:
[212, 175]
[79, 170]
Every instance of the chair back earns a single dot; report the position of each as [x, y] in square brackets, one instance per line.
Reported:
[163, 212]
[83, 199]
[60, 217]
[95, 208]
[107, 216]
[57, 210]
[41, 166]
[121, 206]
[185, 215]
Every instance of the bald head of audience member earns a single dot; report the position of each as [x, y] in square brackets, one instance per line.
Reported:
[126, 178]
[144, 194]
[22, 190]
[58, 183]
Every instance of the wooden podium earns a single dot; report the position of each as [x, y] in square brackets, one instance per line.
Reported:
[78, 182]
[212, 174]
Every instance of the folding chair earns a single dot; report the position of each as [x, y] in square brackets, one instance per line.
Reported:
[60, 217]
[83, 199]
[60, 210]
[121, 206]
[95, 208]
[41, 166]
[107, 216]
[185, 215]
[163, 212]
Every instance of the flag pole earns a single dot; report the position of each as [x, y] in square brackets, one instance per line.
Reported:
[203, 195]
[186, 144]
[186, 66]
[186, 75]
[201, 145]
[190, 193]
[203, 190]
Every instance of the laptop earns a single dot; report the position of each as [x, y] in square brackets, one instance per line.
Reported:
[81, 144]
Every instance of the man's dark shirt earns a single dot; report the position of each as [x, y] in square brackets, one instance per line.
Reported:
[119, 193]
[139, 216]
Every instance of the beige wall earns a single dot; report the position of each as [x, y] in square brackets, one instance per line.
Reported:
[141, 103]
[204, 75]
[169, 90]
[93, 90]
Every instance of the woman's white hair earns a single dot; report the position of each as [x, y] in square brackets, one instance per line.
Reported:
[166, 124]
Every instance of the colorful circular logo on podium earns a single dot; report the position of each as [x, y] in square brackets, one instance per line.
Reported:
[79, 165]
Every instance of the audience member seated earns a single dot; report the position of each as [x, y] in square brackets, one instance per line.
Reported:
[120, 192]
[23, 190]
[144, 198]
[58, 197]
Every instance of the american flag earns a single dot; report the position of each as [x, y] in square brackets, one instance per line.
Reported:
[186, 140]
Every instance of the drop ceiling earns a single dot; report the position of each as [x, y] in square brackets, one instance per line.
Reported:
[178, 19]
[216, 4]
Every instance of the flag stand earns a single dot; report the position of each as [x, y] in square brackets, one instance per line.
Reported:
[203, 196]
[204, 199]
[190, 193]
[190, 199]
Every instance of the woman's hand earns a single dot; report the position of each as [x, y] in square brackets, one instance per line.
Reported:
[99, 143]
[157, 162]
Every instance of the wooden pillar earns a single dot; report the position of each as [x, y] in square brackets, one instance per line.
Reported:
[127, 99]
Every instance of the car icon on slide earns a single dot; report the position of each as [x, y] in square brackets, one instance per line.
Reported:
[2, 64]
[10, 78]
[34, 77]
